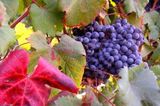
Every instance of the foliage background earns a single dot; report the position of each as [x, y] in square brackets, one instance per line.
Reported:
[44, 29]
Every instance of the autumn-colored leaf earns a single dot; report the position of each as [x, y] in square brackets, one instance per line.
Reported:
[72, 58]
[81, 12]
[21, 89]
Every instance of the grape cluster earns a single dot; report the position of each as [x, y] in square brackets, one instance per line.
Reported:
[110, 47]
[150, 4]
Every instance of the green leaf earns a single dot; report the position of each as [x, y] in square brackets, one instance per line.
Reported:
[53, 5]
[38, 41]
[136, 6]
[68, 101]
[156, 70]
[153, 22]
[146, 49]
[12, 7]
[58, 95]
[48, 54]
[137, 86]
[155, 58]
[72, 58]
[43, 49]
[81, 12]
[133, 19]
[46, 21]
[2, 14]
[21, 7]
[7, 38]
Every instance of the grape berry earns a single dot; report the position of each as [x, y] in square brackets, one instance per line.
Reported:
[110, 47]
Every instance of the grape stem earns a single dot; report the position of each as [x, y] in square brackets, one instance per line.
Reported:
[120, 9]
[16, 47]
[20, 18]
[107, 100]
[65, 30]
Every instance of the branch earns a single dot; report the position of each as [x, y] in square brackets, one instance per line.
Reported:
[20, 18]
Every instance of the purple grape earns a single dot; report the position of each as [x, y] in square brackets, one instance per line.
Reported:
[101, 35]
[117, 46]
[124, 21]
[101, 58]
[119, 36]
[104, 28]
[112, 29]
[80, 39]
[90, 52]
[91, 46]
[90, 28]
[114, 52]
[135, 36]
[134, 48]
[98, 45]
[118, 64]
[132, 56]
[93, 67]
[106, 54]
[124, 49]
[94, 41]
[95, 34]
[129, 52]
[116, 57]
[128, 36]
[137, 61]
[111, 59]
[128, 44]
[100, 66]
[109, 49]
[95, 24]
[119, 30]
[85, 40]
[130, 61]
[113, 35]
[124, 58]
[88, 34]
[110, 45]
[100, 53]
[98, 28]
[104, 50]
[105, 62]
[130, 30]
[117, 25]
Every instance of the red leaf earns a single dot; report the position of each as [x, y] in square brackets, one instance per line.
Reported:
[19, 89]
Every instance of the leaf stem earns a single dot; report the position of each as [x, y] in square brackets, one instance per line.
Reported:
[20, 18]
